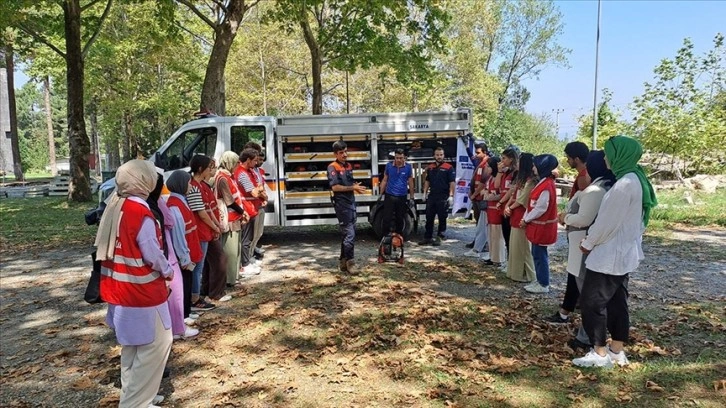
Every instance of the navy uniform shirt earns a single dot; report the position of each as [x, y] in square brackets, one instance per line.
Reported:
[439, 177]
[341, 174]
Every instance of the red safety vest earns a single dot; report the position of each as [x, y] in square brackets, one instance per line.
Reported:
[476, 178]
[518, 212]
[248, 201]
[126, 280]
[190, 228]
[206, 233]
[543, 230]
[231, 214]
[494, 214]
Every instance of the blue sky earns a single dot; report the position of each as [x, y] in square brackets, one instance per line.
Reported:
[634, 37]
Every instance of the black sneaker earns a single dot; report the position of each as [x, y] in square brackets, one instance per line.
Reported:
[557, 319]
[488, 262]
[441, 235]
[577, 344]
[436, 242]
[470, 246]
[202, 304]
[427, 241]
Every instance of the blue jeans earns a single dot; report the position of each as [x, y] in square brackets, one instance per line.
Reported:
[197, 273]
[541, 264]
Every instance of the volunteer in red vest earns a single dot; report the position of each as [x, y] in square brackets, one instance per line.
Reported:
[260, 204]
[184, 235]
[202, 202]
[228, 195]
[491, 196]
[134, 276]
[250, 192]
[510, 163]
[540, 221]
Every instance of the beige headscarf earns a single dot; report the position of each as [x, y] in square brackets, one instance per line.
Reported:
[229, 161]
[134, 178]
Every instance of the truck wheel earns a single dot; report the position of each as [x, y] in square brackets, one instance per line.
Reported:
[407, 225]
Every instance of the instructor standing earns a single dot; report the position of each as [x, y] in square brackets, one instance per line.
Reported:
[439, 193]
[340, 177]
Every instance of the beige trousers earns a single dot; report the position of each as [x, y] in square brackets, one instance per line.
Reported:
[142, 368]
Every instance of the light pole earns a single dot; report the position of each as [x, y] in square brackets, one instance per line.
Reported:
[594, 102]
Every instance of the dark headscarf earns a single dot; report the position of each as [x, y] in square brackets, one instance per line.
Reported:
[178, 182]
[597, 168]
[153, 202]
[545, 163]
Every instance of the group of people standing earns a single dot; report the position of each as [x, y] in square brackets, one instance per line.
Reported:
[607, 212]
[164, 260]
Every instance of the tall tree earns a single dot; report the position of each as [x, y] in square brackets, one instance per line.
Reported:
[224, 18]
[353, 34]
[39, 19]
[9, 65]
[49, 125]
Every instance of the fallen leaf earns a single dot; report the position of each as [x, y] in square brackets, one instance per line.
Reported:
[651, 386]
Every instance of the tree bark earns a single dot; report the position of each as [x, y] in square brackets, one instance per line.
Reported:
[128, 145]
[49, 124]
[80, 186]
[12, 109]
[94, 139]
[213, 90]
[317, 64]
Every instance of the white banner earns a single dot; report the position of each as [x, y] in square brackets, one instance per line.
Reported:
[464, 171]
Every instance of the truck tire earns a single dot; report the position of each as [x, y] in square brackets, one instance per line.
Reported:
[408, 225]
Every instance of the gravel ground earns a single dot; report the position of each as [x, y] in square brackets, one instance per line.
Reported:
[56, 351]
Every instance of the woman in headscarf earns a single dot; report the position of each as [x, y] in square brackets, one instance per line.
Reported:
[228, 192]
[184, 235]
[577, 217]
[491, 196]
[613, 248]
[520, 266]
[510, 164]
[540, 221]
[134, 274]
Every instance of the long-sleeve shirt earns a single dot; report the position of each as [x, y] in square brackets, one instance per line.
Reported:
[540, 206]
[616, 235]
[588, 201]
[178, 239]
[136, 326]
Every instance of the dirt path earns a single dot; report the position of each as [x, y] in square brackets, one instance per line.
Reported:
[56, 351]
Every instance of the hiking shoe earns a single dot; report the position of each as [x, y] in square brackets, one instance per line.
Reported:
[350, 266]
[537, 288]
[557, 319]
[618, 358]
[202, 304]
[592, 359]
[471, 245]
[472, 253]
[436, 242]
[427, 241]
[343, 265]
[577, 344]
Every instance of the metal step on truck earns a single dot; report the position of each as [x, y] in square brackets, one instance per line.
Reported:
[298, 150]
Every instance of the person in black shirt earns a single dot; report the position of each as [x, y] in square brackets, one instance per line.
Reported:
[340, 177]
[439, 192]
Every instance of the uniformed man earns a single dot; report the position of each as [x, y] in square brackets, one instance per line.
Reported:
[340, 177]
[439, 192]
[397, 184]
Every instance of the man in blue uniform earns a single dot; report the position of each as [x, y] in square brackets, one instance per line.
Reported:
[396, 185]
[439, 192]
[340, 177]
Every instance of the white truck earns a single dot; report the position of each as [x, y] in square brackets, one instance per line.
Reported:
[298, 150]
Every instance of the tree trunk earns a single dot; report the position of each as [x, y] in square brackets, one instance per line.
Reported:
[213, 90]
[12, 109]
[94, 139]
[128, 154]
[114, 155]
[49, 124]
[80, 186]
[317, 65]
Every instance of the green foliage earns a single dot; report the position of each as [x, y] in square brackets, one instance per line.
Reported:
[609, 123]
[679, 114]
[531, 134]
[707, 210]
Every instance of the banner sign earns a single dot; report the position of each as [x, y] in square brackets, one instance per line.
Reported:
[464, 171]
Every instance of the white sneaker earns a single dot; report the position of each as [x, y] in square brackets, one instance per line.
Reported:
[472, 253]
[618, 358]
[537, 288]
[257, 262]
[252, 269]
[484, 255]
[225, 298]
[158, 399]
[592, 359]
[190, 332]
[189, 321]
[194, 316]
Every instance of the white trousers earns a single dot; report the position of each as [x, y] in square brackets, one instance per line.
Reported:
[482, 232]
[142, 368]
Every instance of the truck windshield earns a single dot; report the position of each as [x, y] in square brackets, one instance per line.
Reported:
[243, 134]
[189, 143]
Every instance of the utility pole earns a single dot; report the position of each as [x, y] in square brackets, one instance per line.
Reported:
[557, 120]
[597, 57]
